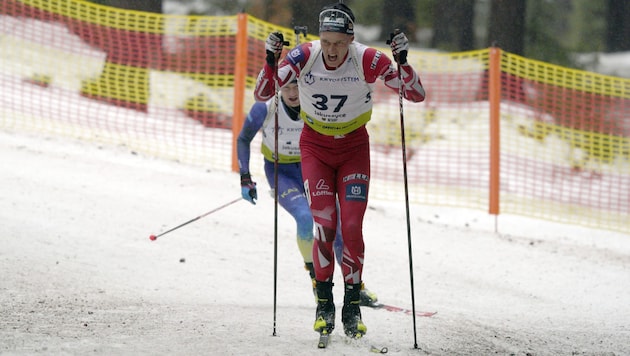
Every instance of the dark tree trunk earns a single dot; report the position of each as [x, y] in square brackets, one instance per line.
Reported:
[618, 26]
[507, 25]
[466, 22]
[398, 14]
[453, 25]
[306, 13]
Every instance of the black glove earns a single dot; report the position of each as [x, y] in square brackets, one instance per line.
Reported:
[400, 46]
[248, 188]
[273, 47]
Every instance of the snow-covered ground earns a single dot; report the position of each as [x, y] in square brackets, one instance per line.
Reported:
[80, 275]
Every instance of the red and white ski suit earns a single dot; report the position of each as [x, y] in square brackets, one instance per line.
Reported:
[335, 106]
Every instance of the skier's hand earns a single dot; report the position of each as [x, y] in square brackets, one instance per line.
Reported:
[273, 47]
[248, 188]
[400, 46]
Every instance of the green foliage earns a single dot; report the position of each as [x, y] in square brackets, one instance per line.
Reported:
[587, 26]
[367, 12]
[555, 29]
[424, 13]
[546, 22]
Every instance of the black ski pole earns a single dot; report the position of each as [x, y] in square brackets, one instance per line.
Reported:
[404, 159]
[275, 190]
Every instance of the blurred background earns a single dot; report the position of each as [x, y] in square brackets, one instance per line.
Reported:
[571, 33]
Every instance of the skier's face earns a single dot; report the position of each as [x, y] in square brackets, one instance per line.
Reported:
[291, 95]
[335, 47]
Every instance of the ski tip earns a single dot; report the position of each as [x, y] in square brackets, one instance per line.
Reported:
[397, 309]
[382, 350]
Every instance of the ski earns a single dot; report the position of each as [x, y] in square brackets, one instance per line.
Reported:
[393, 308]
[324, 336]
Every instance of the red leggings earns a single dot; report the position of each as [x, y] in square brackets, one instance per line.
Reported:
[337, 168]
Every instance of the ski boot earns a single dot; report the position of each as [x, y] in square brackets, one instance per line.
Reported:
[368, 298]
[351, 313]
[325, 312]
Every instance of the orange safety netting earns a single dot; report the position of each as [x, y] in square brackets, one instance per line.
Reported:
[497, 131]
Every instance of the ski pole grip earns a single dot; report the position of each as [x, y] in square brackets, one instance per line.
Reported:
[391, 36]
[300, 29]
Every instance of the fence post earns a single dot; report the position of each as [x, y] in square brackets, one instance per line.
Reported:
[494, 98]
[240, 77]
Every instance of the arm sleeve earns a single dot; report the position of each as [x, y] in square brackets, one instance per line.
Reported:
[253, 123]
[265, 85]
[377, 65]
[288, 70]
[412, 86]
